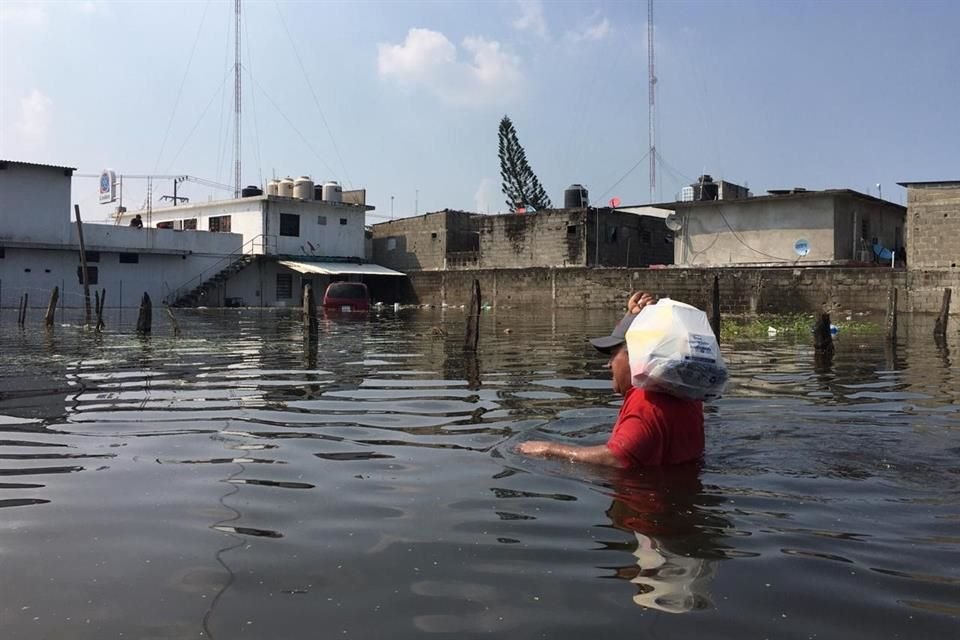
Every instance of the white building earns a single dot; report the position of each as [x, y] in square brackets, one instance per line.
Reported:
[256, 251]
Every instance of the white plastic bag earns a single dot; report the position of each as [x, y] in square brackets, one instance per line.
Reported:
[672, 349]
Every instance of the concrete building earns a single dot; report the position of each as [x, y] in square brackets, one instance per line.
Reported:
[933, 224]
[458, 240]
[835, 226]
[256, 251]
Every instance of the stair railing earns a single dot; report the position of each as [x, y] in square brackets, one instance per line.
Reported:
[262, 242]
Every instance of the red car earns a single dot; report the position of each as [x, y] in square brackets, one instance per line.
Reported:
[346, 296]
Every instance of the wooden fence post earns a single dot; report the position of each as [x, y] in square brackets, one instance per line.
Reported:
[940, 327]
[822, 338]
[472, 337]
[83, 266]
[892, 315]
[715, 316]
[52, 307]
[145, 319]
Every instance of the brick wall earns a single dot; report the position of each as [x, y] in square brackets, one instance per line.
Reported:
[742, 290]
[933, 227]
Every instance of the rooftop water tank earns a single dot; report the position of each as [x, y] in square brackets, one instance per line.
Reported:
[303, 188]
[332, 192]
[576, 197]
[251, 191]
[318, 192]
[285, 188]
[273, 187]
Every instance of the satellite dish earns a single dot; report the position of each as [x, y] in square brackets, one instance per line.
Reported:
[673, 222]
[614, 202]
[801, 247]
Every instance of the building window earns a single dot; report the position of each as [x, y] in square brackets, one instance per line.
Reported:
[571, 229]
[343, 221]
[219, 223]
[165, 225]
[322, 220]
[391, 244]
[129, 258]
[91, 275]
[290, 225]
[2, 253]
[433, 236]
[93, 256]
[190, 224]
[611, 233]
[865, 228]
[284, 286]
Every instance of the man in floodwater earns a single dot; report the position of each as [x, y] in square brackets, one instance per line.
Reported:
[652, 429]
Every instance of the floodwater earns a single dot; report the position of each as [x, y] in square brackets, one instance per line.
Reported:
[239, 482]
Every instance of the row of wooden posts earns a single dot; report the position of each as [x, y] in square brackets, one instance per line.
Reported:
[471, 337]
[822, 334]
[144, 317]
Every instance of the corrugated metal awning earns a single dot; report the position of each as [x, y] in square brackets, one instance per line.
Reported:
[337, 268]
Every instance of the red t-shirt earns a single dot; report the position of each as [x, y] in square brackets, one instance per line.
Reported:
[657, 428]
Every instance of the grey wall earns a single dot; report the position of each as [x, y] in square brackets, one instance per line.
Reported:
[933, 227]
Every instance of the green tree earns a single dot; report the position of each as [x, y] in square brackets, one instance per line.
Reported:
[520, 184]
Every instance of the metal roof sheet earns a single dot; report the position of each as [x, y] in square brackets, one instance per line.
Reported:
[338, 268]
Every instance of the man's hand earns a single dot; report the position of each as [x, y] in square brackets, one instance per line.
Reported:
[638, 301]
[599, 454]
[534, 448]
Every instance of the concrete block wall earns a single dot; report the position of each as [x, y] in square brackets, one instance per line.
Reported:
[742, 290]
[933, 227]
[553, 238]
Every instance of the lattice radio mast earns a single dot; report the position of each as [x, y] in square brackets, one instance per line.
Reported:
[236, 105]
[651, 118]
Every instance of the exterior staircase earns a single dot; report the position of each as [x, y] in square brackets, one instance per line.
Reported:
[195, 296]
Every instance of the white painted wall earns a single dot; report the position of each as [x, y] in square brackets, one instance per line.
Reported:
[247, 219]
[332, 239]
[755, 231]
[37, 271]
[34, 204]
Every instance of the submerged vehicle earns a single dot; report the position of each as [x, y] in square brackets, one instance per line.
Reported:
[346, 297]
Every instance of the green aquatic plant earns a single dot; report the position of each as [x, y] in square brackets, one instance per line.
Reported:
[793, 325]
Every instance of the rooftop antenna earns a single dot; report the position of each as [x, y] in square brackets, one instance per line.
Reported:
[236, 103]
[651, 120]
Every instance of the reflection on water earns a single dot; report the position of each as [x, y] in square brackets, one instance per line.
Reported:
[241, 479]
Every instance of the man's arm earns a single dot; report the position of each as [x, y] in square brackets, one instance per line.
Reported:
[599, 455]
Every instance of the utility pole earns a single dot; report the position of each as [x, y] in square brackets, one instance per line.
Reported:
[236, 104]
[391, 207]
[651, 118]
[416, 202]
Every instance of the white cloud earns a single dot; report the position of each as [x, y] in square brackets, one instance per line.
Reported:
[25, 14]
[92, 6]
[34, 121]
[591, 33]
[531, 18]
[484, 196]
[428, 59]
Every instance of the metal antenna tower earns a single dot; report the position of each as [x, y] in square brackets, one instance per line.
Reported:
[651, 118]
[236, 104]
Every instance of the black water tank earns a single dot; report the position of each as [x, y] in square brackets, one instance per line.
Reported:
[576, 197]
[318, 192]
[251, 191]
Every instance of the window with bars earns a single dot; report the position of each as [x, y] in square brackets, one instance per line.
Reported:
[284, 286]
[290, 225]
[219, 224]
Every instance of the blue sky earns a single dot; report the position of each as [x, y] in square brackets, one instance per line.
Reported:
[404, 98]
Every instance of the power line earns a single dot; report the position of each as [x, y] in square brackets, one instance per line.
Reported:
[292, 126]
[624, 177]
[183, 81]
[316, 101]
